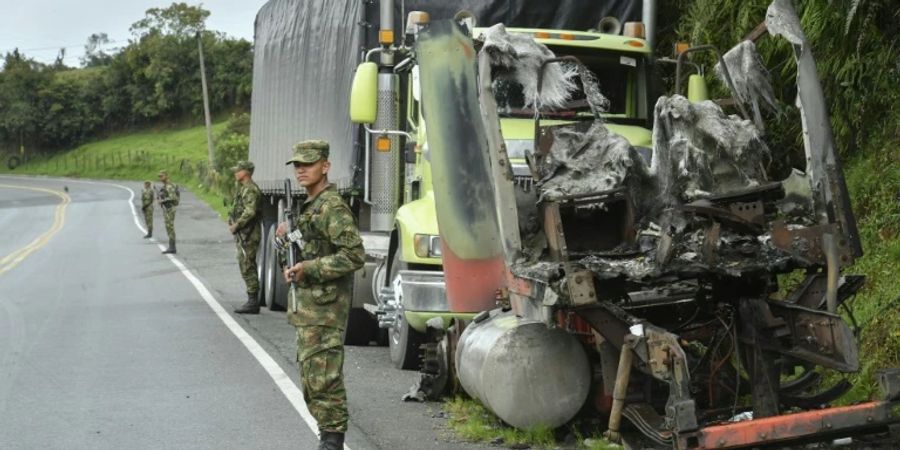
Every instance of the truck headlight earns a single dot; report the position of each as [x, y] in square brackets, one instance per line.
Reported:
[427, 245]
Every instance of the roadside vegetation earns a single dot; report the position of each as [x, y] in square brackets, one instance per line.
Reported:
[128, 113]
[471, 421]
[141, 155]
[153, 79]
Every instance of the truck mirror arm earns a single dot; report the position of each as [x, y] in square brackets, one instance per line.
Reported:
[727, 75]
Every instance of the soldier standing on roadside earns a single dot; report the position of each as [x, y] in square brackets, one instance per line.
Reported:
[169, 197]
[147, 207]
[330, 251]
[243, 223]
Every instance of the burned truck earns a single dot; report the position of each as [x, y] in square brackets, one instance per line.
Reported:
[637, 284]
[306, 54]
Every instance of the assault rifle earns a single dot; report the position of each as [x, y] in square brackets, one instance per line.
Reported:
[162, 195]
[289, 240]
[165, 199]
[237, 233]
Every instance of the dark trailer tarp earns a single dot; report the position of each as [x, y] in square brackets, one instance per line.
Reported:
[305, 54]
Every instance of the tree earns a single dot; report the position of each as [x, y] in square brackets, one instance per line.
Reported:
[179, 19]
[93, 51]
[20, 83]
[154, 78]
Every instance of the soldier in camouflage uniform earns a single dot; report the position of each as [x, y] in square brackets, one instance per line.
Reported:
[243, 223]
[147, 208]
[168, 199]
[331, 250]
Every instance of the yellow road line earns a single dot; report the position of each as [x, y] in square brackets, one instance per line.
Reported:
[59, 219]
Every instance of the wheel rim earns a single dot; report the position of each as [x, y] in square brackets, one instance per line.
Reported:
[270, 262]
[261, 257]
[399, 320]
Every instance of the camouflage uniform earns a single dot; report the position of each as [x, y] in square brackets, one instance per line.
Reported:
[245, 216]
[331, 251]
[168, 199]
[147, 208]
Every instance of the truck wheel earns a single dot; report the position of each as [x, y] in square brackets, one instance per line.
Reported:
[382, 335]
[361, 328]
[261, 254]
[403, 340]
[276, 288]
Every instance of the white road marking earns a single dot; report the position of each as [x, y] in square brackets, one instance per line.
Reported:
[290, 390]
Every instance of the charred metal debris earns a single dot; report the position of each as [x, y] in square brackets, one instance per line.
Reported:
[674, 256]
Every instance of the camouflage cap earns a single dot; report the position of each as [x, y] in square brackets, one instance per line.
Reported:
[308, 152]
[243, 165]
[163, 172]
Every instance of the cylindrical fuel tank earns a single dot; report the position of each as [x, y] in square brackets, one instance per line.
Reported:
[524, 372]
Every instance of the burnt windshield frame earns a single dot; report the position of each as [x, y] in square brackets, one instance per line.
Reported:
[628, 102]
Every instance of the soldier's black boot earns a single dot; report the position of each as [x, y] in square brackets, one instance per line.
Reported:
[171, 248]
[251, 307]
[148, 235]
[331, 441]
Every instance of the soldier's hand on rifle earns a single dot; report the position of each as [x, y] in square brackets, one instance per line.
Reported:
[282, 229]
[294, 273]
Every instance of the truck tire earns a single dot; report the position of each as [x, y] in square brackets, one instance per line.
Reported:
[261, 265]
[280, 291]
[276, 288]
[403, 340]
[361, 329]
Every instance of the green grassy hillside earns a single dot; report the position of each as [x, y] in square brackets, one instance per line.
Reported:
[138, 156]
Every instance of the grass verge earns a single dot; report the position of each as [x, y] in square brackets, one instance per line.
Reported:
[874, 184]
[471, 421]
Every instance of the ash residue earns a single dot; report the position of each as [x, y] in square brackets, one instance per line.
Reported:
[517, 58]
[636, 269]
[751, 79]
[698, 150]
[588, 162]
[780, 20]
[544, 271]
[684, 255]
[598, 102]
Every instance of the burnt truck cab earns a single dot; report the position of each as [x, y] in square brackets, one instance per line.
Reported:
[410, 280]
[647, 292]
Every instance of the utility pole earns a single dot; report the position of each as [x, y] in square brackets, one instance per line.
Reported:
[209, 139]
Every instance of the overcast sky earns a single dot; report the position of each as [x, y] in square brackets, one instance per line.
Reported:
[39, 28]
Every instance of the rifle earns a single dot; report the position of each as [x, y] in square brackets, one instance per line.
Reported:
[237, 233]
[163, 197]
[292, 237]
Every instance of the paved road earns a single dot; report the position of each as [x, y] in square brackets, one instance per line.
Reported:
[106, 343]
